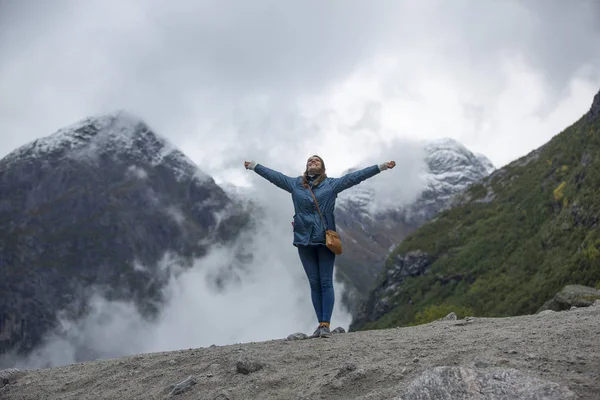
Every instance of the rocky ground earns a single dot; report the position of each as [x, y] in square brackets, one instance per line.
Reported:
[551, 355]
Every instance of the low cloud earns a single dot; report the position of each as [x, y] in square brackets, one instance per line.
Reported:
[219, 300]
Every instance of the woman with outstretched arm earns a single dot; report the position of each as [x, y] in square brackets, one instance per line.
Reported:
[313, 196]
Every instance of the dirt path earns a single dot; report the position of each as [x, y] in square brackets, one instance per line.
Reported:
[561, 347]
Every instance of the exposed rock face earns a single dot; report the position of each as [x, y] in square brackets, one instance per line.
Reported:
[380, 301]
[447, 383]
[594, 111]
[369, 233]
[98, 204]
[571, 296]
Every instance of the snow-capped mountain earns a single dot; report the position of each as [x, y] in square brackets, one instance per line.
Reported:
[99, 204]
[118, 134]
[451, 169]
[370, 228]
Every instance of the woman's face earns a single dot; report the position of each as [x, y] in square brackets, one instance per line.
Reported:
[314, 165]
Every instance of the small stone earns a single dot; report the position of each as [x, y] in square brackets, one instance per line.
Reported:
[358, 374]
[172, 362]
[182, 386]
[596, 303]
[573, 308]
[547, 312]
[209, 375]
[346, 369]
[339, 329]
[450, 317]
[222, 396]
[416, 359]
[297, 336]
[247, 366]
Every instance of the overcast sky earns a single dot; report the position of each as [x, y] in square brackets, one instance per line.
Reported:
[277, 81]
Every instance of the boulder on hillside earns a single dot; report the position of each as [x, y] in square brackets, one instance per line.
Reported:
[571, 295]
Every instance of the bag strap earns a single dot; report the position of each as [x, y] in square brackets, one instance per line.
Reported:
[317, 204]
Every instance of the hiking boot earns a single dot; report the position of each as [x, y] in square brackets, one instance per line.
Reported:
[316, 333]
[325, 333]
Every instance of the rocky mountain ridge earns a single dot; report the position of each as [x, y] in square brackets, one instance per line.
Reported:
[96, 207]
[118, 134]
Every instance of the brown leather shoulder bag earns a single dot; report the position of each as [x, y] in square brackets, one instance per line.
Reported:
[332, 238]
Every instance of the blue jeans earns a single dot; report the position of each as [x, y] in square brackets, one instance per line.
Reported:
[318, 264]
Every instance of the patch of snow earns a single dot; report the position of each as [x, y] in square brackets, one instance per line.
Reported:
[139, 267]
[137, 172]
[176, 214]
[115, 133]
[487, 164]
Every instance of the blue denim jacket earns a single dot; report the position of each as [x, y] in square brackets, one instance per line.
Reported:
[308, 227]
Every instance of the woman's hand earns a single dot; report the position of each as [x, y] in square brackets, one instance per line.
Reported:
[390, 164]
[246, 164]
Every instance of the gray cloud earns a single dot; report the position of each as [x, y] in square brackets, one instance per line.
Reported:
[227, 78]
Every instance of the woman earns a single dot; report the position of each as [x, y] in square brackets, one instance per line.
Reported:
[309, 228]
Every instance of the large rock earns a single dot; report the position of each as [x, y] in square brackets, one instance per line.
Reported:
[451, 383]
[571, 295]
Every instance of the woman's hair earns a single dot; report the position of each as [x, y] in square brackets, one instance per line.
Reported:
[321, 174]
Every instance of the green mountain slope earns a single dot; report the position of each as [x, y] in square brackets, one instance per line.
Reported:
[508, 244]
